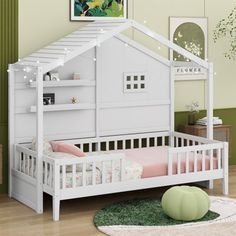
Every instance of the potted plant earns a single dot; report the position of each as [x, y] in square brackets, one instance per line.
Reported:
[193, 109]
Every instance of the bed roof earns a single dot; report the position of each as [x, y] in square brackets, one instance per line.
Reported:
[89, 36]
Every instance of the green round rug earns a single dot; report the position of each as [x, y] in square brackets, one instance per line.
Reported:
[140, 212]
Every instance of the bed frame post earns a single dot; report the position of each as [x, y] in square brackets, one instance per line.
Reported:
[11, 123]
[210, 109]
[172, 105]
[56, 197]
[225, 180]
[97, 92]
[39, 139]
[210, 102]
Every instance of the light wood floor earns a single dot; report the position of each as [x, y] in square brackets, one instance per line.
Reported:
[76, 215]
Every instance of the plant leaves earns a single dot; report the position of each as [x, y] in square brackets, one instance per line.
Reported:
[97, 11]
[116, 10]
[95, 3]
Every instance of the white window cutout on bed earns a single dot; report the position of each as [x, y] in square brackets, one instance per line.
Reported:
[135, 82]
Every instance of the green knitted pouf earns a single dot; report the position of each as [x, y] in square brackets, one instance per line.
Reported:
[185, 203]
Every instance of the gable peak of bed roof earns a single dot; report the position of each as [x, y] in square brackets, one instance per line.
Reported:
[90, 36]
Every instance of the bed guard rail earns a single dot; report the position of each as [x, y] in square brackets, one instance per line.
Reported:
[80, 172]
[201, 153]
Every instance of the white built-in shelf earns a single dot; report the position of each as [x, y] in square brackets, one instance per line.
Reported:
[65, 107]
[64, 83]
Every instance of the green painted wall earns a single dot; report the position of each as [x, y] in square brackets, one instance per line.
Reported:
[227, 115]
[8, 54]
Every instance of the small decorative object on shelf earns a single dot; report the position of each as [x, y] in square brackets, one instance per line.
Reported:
[74, 100]
[54, 76]
[48, 98]
[47, 77]
[193, 109]
[76, 76]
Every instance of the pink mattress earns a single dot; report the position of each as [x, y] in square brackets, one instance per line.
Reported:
[155, 161]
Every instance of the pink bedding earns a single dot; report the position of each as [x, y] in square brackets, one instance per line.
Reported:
[155, 161]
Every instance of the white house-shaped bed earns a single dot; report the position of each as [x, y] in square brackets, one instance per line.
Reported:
[125, 94]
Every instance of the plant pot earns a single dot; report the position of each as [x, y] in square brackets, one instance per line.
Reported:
[191, 118]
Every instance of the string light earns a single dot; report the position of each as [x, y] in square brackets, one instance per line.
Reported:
[67, 50]
[145, 22]
[159, 48]
[8, 71]
[95, 59]
[37, 62]
[215, 73]
[126, 44]
[28, 69]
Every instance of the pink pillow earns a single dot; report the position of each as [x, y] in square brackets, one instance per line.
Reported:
[67, 148]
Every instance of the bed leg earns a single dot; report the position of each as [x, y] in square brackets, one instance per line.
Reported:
[225, 180]
[211, 184]
[225, 185]
[56, 208]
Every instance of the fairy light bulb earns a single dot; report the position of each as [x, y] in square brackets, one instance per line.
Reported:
[95, 59]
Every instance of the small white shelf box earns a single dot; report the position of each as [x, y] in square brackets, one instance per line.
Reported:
[65, 107]
[64, 83]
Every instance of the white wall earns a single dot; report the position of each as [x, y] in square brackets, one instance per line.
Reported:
[41, 22]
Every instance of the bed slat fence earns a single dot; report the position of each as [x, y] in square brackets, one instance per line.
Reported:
[74, 173]
[122, 143]
[205, 155]
[25, 161]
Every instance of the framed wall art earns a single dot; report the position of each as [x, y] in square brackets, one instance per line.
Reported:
[190, 34]
[89, 10]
